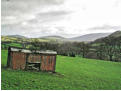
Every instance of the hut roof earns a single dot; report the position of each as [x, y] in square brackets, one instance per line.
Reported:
[30, 51]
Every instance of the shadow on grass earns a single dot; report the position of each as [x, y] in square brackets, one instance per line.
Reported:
[3, 67]
[34, 71]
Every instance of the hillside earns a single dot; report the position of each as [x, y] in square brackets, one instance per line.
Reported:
[7, 38]
[89, 37]
[84, 38]
[19, 38]
[16, 39]
[53, 37]
[73, 73]
[16, 36]
[114, 35]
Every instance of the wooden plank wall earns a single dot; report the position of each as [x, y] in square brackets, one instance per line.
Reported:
[18, 60]
[48, 63]
[34, 58]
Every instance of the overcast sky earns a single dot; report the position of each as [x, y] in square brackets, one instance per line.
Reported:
[67, 18]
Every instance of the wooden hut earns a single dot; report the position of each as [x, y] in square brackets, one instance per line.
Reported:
[19, 58]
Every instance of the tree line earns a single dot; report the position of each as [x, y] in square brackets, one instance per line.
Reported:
[107, 49]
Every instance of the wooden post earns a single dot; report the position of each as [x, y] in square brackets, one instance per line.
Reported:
[27, 55]
[54, 64]
[9, 57]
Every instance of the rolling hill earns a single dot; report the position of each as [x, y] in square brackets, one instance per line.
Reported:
[114, 35]
[16, 36]
[84, 38]
[90, 37]
[53, 37]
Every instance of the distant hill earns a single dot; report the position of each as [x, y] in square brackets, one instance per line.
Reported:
[114, 35]
[90, 37]
[16, 36]
[53, 37]
[84, 38]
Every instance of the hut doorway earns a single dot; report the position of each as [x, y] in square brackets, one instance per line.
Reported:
[33, 62]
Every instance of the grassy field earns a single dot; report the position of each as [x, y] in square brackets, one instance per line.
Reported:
[14, 39]
[72, 73]
[11, 44]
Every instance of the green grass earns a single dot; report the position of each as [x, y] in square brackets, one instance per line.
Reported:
[12, 44]
[4, 54]
[74, 73]
[14, 39]
[15, 44]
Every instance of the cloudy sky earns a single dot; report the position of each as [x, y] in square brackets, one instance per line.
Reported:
[67, 18]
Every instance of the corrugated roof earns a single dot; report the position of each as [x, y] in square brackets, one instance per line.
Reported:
[29, 51]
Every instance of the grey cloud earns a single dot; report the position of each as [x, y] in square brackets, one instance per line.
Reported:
[39, 31]
[9, 29]
[53, 13]
[12, 29]
[22, 9]
[49, 16]
[60, 28]
[106, 27]
[15, 12]
[117, 3]
[46, 31]
[13, 7]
